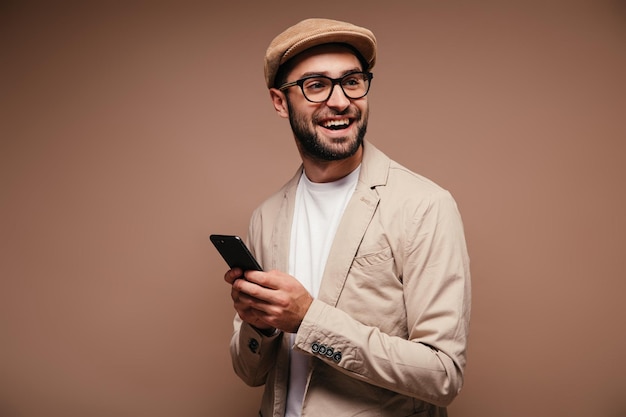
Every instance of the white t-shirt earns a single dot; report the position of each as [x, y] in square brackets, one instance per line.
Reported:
[318, 211]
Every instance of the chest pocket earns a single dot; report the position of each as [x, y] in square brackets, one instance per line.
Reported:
[373, 291]
[373, 259]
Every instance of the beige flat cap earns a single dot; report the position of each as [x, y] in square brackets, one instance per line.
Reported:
[313, 32]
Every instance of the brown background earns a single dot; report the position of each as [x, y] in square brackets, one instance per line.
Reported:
[129, 133]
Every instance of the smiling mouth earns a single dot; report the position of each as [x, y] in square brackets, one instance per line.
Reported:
[336, 124]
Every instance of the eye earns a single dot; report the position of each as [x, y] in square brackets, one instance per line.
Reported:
[314, 84]
[352, 80]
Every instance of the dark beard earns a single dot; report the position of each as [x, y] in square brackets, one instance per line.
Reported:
[315, 148]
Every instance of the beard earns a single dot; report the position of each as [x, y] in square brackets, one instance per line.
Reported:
[314, 147]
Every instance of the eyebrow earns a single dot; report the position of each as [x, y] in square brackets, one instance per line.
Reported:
[325, 73]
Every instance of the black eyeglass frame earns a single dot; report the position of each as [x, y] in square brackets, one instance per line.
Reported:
[334, 81]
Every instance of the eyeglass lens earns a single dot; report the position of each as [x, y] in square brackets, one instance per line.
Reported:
[320, 88]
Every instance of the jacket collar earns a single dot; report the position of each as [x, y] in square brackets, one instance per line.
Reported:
[374, 167]
[374, 170]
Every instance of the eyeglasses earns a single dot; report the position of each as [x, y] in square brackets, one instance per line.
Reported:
[319, 88]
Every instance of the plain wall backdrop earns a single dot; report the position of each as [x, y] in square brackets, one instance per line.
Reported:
[130, 131]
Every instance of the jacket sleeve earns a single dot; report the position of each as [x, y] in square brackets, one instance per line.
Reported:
[253, 354]
[428, 363]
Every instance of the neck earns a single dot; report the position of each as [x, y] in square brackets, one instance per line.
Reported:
[329, 171]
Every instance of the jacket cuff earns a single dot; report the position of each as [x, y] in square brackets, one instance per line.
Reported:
[254, 340]
[314, 339]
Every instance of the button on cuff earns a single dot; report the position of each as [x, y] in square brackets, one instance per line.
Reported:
[253, 345]
[326, 351]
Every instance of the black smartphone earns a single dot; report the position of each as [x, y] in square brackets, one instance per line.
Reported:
[235, 252]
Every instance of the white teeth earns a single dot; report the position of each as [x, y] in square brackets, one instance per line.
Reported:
[336, 123]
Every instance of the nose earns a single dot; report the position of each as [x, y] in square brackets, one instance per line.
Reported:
[337, 99]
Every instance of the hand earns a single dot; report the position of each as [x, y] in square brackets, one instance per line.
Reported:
[269, 299]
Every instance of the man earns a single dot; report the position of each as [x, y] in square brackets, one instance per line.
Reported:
[363, 307]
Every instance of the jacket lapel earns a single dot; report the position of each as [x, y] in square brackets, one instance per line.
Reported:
[281, 235]
[354, 223]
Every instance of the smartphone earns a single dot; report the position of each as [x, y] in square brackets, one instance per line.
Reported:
[235, 252]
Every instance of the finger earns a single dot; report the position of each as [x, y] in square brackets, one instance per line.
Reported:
[253, 317]
[264, 279]
[235, 295]
[252, 310]
[252, 290]
[232, 275]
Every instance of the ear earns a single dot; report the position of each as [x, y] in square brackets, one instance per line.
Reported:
[280, 102]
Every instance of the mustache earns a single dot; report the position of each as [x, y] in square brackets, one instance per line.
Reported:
[353, 113]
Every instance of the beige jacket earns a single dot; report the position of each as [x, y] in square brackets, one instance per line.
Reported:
[388, 331]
